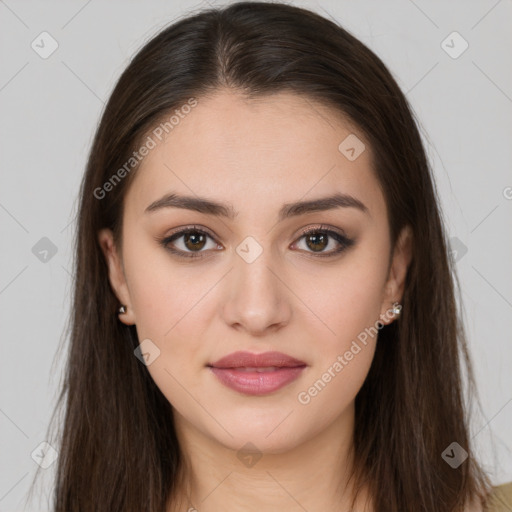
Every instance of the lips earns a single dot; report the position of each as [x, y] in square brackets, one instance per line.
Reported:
[265, 360]
[257, 374]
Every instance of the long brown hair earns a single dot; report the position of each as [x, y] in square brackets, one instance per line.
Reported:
[118, 450]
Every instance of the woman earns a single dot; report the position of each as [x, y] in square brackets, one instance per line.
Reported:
[264, 310]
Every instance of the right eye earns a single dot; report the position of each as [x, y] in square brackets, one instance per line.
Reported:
[192, 245]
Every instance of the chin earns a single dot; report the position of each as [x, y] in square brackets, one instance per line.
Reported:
[270, 434]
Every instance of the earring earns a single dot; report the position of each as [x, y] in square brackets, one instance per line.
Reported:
[121, 310]
[396, 308]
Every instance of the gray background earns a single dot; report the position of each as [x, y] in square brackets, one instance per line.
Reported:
[50, 108]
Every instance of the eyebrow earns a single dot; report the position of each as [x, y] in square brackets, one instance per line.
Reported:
[210, 207]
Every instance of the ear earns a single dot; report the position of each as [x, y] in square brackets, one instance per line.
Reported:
[394, 287]
[116, 274]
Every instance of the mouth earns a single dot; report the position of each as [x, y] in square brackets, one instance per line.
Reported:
[257, 374]
[255, 369]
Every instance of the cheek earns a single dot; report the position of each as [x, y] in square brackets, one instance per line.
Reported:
[170, 303]
[168, 311]
[163, 293]
[345, 345]
[347, 299]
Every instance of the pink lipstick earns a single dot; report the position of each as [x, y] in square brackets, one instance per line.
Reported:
[257, 374]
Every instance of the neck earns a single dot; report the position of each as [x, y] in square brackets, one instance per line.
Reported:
[314, 475]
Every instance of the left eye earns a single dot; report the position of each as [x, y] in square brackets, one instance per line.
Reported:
[319, 241]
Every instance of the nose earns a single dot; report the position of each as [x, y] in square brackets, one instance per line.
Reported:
[257, 298]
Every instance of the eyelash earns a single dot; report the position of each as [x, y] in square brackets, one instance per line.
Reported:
[344, 242]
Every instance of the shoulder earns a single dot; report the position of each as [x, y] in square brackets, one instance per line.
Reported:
[500, 499]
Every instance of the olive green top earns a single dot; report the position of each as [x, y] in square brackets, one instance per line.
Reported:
[500, 499]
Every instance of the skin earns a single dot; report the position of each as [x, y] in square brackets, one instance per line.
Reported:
[258, 155]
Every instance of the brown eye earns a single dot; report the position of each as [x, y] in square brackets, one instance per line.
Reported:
[189, 243]
[317, 240]
[194, 240]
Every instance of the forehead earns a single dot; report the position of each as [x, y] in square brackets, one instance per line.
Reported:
[256, 154]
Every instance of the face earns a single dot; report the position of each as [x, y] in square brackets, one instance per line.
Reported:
[246, 277]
